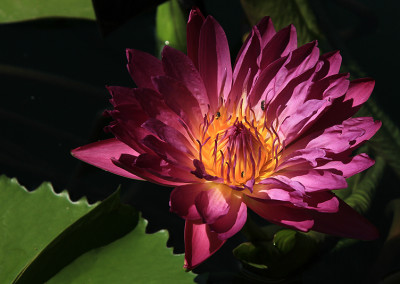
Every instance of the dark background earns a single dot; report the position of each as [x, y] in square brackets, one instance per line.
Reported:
[52, 78]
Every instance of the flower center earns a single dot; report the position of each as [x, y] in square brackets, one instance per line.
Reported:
[237, 147]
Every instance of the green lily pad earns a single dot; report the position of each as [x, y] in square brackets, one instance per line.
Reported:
[136, 258]
[24, 10]
[110, 220]
[30, 221]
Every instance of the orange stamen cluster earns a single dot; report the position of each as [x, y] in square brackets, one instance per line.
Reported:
[238, 147]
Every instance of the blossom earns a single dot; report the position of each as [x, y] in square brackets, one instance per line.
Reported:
[274, 133]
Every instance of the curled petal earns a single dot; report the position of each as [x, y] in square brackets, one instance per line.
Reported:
[233, 221]
[213, 203]
[182, 200]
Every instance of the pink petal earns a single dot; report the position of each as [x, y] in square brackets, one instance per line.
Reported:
[339, 138]
[121, 95]
[349, 166]
[180, 100]
[330, 87]
[233, 221]
[99, 154]
[266, 30]
[269, 80]
[280, 214]
[367, 124]
[359, 91]
[315, 180]
[154, 106]
[170, 135]
[303, 59]
[155, 169]
[295, 124]
[142, 66]
[309, 156]
[214, 61]
[332, 61]
[200, 243]
[213, 203]
[246, 66]
[169, 153]
[127, 125]
[178, 66]
[193, 28]
[322, 201]
[182, 200]
[345, 107]
[346, 222]
[280, 45]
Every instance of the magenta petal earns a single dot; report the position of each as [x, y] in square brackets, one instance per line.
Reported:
[266, 30]
[280, 214]
[331, 66]
[154, 169]
[309, 156]
[315, 180]
[232, 222]
[295, 124]
[193, 28]
[214, 61]
[322, 201]
[121, 95]
[359, 91]
[200, 243]
[180, 100]
[182, 200]
[346, 222]
[212, 204]
[142, 66]
[281, 44]
[349, 166]
[154, 106]
[170, 135]
[178, 66]
[99, 154]
[246, 66]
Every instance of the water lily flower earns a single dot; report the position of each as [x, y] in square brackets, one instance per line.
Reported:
[274, 133]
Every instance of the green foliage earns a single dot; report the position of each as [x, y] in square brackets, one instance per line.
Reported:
[30, 221]
[171, 26]
[107, 222]
[23, 10]
[285, 240]
[42, 232]
[282, 255]
[135, 258]
[284, 13]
